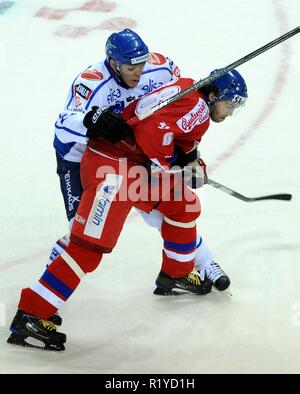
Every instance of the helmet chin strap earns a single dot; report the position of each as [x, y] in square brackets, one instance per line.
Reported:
[118, 66]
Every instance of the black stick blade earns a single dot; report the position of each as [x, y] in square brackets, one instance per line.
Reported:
[283, 197]
[225, 189]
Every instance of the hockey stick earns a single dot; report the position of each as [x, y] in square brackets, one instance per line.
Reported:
[225, 189]
[216, 75]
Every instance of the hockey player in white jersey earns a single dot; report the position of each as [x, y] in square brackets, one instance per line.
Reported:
[128, 72]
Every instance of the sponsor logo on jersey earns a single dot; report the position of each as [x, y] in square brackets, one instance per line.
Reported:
[130, 99]
[151, 86]
[71, 199]
[78, 110]
[101, 205]
[83, 91]
[157, 58]
[92, 75]
[113, 95]
[196, 116]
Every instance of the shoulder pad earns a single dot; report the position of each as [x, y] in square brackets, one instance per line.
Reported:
[92, 75]
[87, 82]
[157, 59]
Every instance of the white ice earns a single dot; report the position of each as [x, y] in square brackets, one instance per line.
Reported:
[113, 321]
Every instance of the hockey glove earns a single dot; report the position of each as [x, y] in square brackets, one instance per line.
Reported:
[182, 158]
[106, 124]
[195, 174]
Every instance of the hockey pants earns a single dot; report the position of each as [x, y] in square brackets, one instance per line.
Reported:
[109, 193]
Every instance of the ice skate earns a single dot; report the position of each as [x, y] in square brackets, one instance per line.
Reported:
[56, 319]
[190, 284]
[31, 331]
[214, 272]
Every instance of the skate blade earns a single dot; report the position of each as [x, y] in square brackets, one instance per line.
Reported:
[162, 292]
[18, 340]
[177, 292]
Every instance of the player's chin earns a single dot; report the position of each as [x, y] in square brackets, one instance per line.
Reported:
[133, 84]
[217, 119]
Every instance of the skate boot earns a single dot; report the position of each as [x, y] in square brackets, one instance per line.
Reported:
[214, 272]
[56, 319]
[30, 331]
[190, 284]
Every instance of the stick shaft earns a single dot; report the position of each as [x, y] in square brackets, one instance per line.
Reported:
[227, 190]
[216, 75]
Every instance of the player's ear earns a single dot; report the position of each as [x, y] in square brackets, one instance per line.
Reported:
[113, 64]
[211, 97]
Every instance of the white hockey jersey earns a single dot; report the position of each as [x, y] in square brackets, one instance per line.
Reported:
[98, 86]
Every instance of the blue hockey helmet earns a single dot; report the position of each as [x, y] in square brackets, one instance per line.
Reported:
[126, 47]
[231, 86]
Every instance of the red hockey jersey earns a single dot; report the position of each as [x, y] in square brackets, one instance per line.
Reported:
[182, 123]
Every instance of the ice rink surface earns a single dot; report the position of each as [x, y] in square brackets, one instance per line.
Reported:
[113, 321]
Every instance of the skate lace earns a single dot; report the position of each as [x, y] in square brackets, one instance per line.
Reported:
[194, 279]
[48, 325]
[213, 271]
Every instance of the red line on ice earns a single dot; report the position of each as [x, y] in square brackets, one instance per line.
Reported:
[268, 108]
[280, 80]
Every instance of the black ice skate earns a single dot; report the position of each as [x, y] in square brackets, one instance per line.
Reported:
[214, 272]
[56, 319]
[30, 331]
[190, 284]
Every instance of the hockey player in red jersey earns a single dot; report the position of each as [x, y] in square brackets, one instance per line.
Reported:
[128, 72]
[135, 172]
